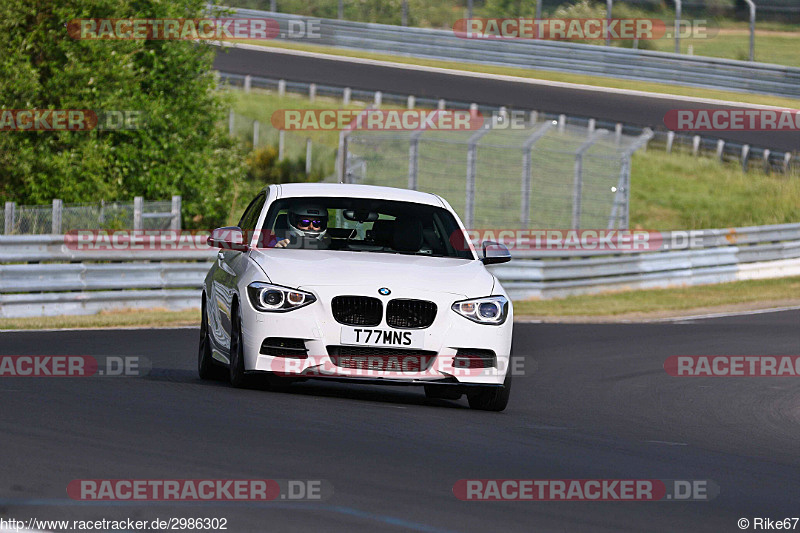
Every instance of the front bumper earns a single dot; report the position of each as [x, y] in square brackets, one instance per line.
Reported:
[317, 328]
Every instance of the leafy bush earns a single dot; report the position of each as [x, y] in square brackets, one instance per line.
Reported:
[181, 148]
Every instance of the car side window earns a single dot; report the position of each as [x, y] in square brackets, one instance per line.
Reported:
[251, 214]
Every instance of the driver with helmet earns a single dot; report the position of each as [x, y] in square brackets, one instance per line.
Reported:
[307, 227]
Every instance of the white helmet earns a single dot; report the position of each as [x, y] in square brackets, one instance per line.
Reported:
[308, 221]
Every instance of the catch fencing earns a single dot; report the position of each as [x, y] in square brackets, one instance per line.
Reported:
[41, 275]
[61, 218]
[544, 175]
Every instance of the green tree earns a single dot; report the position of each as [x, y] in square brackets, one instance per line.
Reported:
[180, 148]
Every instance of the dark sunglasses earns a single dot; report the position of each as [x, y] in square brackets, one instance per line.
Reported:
[309, 222]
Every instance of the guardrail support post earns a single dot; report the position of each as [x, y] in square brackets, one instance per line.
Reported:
[562, 123]
[411, 102]
[472, 161]
[670, 140]
[592, 125]
[618, 133]
[527, 186]
[577, 182]
[281, 88]
[247, 81]
[695, 145]
[787, 157]
[256, 125]
[745, 156]
[534, 118]
[58, 206]
[138, 204]
[348, 92]
[10, 212]
[767, 166]
[308, 156]
[442, 104]
[720, 149]
[378, 98]
[312, 92]
[175, 221]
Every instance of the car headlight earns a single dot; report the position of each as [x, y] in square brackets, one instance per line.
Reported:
[274, 298]
[490, 310]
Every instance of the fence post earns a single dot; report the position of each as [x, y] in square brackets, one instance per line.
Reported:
[609, 5]
[231, 119]
[58, 207]
[255, 133]
[752, 7]
[281, 142]
[247, 81]
[413, 159]
[308, 156]
[138, 204]
[341, 167]
[577, 183]
[670, 140]
[10, 210]
[472, 160]
[348, 93]
[527, 188]
[273, 6]
[677, 26]
[175, 210]
[312, 92]
[404, 17]
[340, 10]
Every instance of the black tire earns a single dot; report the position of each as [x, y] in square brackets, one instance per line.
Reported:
[443, 392]
[237, 375]
[491, 398]
[206, 368]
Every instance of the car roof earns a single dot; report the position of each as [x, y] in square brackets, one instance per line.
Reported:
[350, 190]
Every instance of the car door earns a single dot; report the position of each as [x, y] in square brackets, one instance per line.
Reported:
[229, 268]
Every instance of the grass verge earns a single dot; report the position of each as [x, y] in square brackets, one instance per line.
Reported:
[597, 81]
[653, 303]
[133, 318]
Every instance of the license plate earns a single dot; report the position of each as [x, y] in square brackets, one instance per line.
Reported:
[382, 337]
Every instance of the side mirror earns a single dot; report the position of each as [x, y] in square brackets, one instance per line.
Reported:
[228, 238]
[495, 253]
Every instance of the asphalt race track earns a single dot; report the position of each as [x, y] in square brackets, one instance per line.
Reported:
[595, 403]
[602, 105]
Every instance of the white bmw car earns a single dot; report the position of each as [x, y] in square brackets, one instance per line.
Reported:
[357, 283]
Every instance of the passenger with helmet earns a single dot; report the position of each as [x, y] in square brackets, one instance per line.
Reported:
[307, 227]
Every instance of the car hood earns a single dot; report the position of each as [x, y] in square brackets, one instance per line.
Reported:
[310, 268]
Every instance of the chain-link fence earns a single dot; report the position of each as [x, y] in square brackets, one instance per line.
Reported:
[60, 218]
[289, 145]
[545, 175]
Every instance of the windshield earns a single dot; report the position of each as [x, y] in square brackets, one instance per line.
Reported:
[362, 225]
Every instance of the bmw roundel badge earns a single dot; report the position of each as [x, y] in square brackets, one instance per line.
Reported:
[383, 291]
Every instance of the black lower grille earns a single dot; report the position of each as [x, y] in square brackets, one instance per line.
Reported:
[410, 314]
[357, 310]
[381, 359]
[284, 347]
[474, 358]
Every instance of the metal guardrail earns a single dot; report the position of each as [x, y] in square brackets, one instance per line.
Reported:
[642, 65]
[172, 279]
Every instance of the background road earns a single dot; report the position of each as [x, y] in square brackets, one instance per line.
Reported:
[602, 105]
[595, 403]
